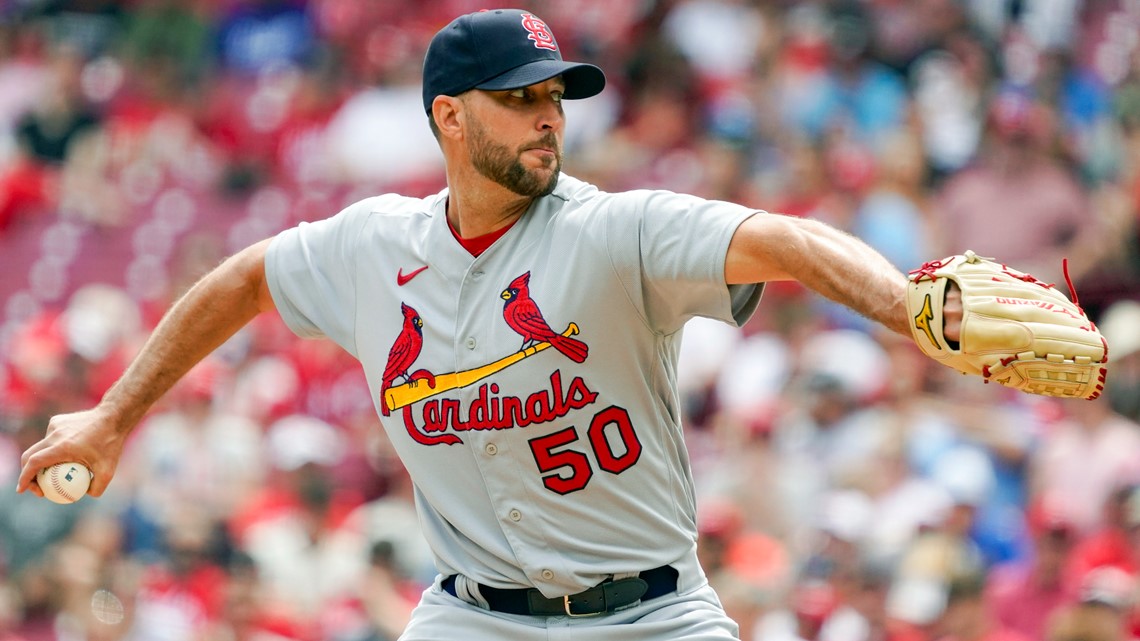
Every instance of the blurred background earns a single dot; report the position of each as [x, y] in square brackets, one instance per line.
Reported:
[849, 488]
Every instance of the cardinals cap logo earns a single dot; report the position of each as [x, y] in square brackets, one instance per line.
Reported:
[539, 32]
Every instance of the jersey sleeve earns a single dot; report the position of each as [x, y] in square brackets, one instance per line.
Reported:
[311, 273]
[670, 250]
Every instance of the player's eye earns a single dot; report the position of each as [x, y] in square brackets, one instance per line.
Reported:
[518, 93]
[556, 96]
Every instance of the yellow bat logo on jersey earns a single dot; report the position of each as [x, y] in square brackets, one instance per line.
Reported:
[922, 321]
[415, 391]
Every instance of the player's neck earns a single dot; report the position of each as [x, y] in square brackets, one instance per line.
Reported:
[479, 207]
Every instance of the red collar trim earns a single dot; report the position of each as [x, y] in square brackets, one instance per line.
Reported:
[479, 244]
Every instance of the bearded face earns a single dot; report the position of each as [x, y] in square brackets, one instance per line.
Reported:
[502, 165]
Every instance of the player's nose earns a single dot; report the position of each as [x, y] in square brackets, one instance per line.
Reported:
[550, 116]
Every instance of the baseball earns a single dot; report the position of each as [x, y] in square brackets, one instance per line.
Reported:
[64, 482]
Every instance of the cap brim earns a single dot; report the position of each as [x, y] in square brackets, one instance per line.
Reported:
[583, 80]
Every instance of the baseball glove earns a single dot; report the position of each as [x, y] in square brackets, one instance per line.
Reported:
[1016, 329]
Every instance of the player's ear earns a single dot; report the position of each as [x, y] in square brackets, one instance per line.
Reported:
[447, 113]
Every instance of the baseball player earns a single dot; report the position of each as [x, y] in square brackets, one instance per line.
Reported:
[519, 332]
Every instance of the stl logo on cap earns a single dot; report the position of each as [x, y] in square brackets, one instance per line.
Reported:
[539, 32]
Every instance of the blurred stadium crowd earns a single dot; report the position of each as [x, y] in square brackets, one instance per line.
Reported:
[849, 489]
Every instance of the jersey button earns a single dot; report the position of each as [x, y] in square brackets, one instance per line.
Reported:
[547, 574]
[515, 515]
[470, 342]
[476, 275]
[491, 449]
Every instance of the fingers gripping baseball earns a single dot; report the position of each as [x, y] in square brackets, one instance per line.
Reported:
[89, 437]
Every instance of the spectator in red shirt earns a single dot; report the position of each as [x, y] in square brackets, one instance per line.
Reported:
[1017, 200]
[1111, 556]
[1117, 544]
[1024, 594]
[967, 616]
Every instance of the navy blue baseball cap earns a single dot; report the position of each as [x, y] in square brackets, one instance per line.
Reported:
[501, 49]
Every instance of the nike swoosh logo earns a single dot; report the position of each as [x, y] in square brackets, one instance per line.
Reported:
[402, 279]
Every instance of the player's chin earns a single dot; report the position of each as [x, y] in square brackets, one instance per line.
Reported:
[550, 182]
[536, 182]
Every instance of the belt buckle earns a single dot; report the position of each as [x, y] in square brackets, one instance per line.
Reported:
[569, 613]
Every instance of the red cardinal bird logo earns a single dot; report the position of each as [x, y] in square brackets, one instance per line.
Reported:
[523, 315]
[404, 352]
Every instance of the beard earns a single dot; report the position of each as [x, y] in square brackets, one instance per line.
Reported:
[497, 163]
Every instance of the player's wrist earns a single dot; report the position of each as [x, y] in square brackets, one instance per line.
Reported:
[116, 415]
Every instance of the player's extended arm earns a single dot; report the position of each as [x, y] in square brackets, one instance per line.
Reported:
[1019, 331]
[833, 263]
[212, 311]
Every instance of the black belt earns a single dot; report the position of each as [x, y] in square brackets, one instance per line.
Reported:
[604, 597]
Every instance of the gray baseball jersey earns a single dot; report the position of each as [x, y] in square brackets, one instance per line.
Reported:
[529, 391]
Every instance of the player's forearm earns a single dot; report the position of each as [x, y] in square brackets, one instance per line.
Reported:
[828, 261]
[212, 311]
